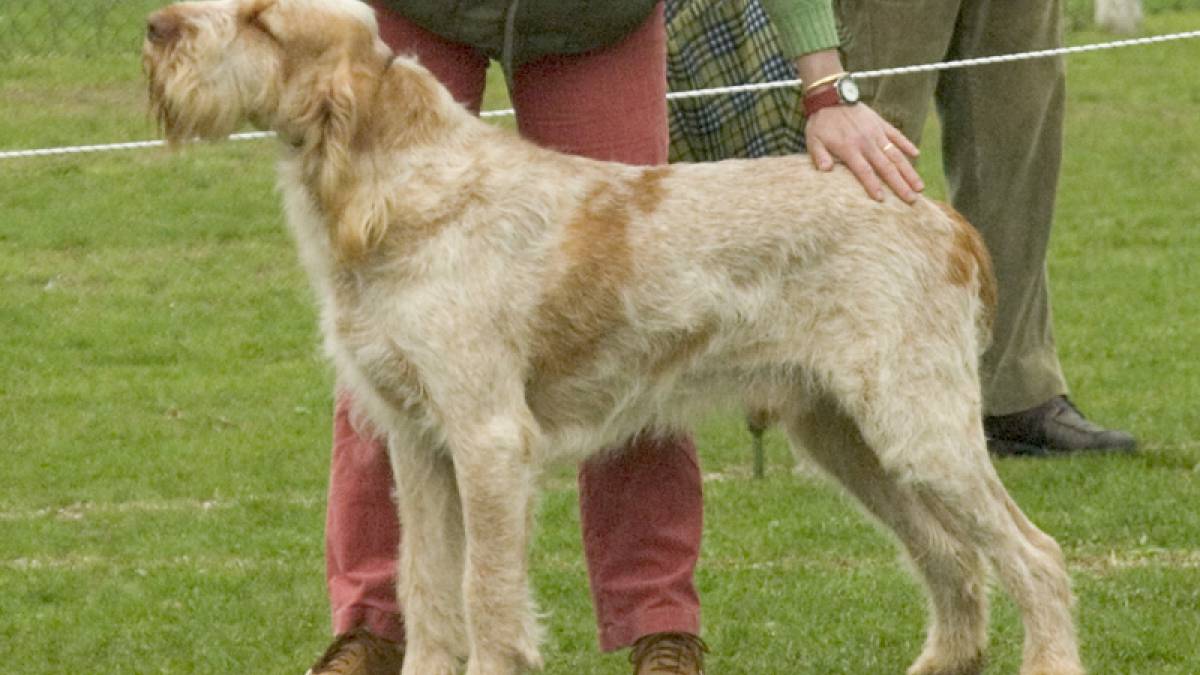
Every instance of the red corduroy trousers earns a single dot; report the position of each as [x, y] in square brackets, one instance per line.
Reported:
[641, 507]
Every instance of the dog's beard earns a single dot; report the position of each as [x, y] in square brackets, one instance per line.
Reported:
[188, 107]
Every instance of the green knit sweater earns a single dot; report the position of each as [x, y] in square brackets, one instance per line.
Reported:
[803, 26]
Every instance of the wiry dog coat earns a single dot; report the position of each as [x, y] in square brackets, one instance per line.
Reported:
[493, 305]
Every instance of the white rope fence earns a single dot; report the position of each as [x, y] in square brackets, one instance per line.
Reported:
[697, 93]
[945, 65]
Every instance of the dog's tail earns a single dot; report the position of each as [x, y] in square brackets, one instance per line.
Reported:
[970, 265]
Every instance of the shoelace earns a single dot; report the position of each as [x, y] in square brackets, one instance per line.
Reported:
[671, 653]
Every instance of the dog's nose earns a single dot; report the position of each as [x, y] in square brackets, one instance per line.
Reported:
[162, 27]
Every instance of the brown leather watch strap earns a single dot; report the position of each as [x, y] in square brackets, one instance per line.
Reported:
[823, 97]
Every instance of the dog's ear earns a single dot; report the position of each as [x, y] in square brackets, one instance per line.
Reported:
[361, 224]
[331, 120]
[328, 113]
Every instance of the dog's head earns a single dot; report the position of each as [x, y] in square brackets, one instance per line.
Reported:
[286, 65]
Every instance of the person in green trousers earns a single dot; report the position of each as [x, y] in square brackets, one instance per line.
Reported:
[1002, 134]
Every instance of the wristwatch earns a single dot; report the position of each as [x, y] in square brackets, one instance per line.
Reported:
[826, 92]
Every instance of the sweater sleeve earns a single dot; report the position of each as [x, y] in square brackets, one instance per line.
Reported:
[804, 26]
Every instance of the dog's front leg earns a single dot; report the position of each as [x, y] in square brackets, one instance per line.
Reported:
[429, 575]
[495, 464]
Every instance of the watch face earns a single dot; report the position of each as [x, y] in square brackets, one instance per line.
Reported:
[847, 90]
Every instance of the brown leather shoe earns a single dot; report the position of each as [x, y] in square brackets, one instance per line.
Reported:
[1054, 427]
[360, 653]
[663, 653]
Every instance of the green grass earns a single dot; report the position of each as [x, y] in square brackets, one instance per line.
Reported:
[165, 414]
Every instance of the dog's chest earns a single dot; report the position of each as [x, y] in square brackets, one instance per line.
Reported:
[382, 367]
[359, 327]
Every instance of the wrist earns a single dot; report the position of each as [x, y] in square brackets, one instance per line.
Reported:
[835, 90]
[817, 65]
[818, 83]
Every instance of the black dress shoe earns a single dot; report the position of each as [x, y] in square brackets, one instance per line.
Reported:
[1054, 427]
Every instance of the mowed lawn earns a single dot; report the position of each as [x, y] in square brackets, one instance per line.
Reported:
[165, 413]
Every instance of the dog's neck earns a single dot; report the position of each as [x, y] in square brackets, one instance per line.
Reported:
[385, 111]
[409, 106]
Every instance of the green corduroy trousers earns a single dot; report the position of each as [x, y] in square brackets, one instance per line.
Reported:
[1002, 147]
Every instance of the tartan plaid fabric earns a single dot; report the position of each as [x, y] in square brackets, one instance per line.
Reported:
[716, 43]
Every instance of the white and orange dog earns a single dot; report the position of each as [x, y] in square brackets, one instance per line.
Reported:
[493, 306]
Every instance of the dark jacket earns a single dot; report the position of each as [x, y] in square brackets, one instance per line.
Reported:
[539, 27]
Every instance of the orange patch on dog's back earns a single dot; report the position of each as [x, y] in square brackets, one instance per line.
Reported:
[969, 258]
[647, 190]
[585, 304]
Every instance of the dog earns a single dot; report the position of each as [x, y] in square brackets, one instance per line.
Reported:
[494, 306]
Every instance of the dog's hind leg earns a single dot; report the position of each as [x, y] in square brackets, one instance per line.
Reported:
[1041, 588]
[953, 573]
[1028, 563]
[429, 576]
[926, 429]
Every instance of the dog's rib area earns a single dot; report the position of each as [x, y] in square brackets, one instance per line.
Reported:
[584, 305]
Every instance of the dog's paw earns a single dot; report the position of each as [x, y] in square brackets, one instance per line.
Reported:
[1054, 669]
[939, 664]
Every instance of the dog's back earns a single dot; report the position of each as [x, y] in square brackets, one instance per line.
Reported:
[642, 294]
